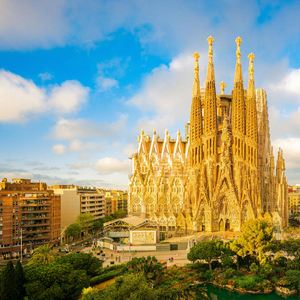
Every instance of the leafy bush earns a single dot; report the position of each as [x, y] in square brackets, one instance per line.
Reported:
[216, 264]
[239, 273]
[294, 264]
[229, 273]
[105, 277]
[209, 275]
[81, 261]
[54, 281]
[198, 265]
[113, 268]
[293, 276]
[254, 268]
[265, 270]
[249, 282]
[227, 261]
[274, 279]
[280, 261]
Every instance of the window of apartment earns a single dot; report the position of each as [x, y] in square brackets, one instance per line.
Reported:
[171, 228]
[162, 228]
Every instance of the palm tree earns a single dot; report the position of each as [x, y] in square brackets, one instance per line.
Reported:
[42, 255]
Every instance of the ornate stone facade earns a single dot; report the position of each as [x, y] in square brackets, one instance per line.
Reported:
[222, 173]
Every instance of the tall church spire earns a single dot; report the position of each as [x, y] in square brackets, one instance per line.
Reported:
[210, 107]
[196, 86]
[210, 68]
[251, 116]
[238, 68]
[251, 89]
[196, 118]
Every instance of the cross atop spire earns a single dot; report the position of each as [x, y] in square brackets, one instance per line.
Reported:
[222, 86]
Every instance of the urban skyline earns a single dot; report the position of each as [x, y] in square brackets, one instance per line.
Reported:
[79, 81]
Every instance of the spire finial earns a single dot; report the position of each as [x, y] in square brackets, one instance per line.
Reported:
[196, 56]
[238, 77]
[222, 86]
[210, 50]
[238, 50]
[251, 69]
[142, 132]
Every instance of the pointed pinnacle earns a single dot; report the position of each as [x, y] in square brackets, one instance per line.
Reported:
[222, 86]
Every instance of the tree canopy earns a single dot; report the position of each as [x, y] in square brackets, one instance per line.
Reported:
[9, 289]
[42, 255]
[256, 234]
[207, 251]
[119, 214]
[85, 220]
[73, 230]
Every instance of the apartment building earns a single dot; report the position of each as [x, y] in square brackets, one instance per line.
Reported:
[122, 202]
[92, 201]
[294, 199]
[29, 215]
[76, 200]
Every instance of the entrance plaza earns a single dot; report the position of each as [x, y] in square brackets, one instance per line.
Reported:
[179, 256]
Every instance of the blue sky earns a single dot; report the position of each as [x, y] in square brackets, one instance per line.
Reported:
[79, 79]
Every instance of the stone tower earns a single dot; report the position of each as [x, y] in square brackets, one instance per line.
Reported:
[222, 172]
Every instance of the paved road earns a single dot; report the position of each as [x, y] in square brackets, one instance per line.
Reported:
[179, 256]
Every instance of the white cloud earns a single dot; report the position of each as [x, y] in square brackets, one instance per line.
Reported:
[21, 98]
[109, 165]
[31, 23]
[70, 129]
[68, 98]
[105, 83]
[166, 92]
[77, 146]
[106, 165]
[45, 76]
[59, 149]
[129, 149]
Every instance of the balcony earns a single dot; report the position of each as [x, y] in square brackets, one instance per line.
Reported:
[35, 218]
[36, 225]
[35, 211]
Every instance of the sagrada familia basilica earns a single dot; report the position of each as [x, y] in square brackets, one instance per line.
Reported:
[222, 172]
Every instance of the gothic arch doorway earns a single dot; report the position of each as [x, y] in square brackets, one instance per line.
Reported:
[227, 225]
[221, 225]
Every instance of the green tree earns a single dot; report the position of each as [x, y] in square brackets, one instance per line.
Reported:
[256, 235]
[235, 247]
[86, 221]
[119, 214]
[135, 286]
[207, 251]
[54, 281]
[150, 267]
[42, 255]
[73, 230]
[8, 283]
[291, 246]
[81, 261]
[20, 280]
